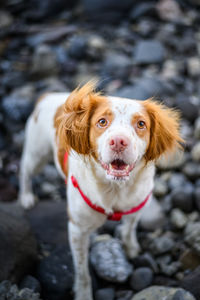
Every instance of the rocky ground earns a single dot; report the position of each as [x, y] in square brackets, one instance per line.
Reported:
[137, 50]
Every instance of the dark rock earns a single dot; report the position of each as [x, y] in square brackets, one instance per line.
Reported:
[167, 267]
[31, 283]
[149, 52]
[182, 197]
[109, 261]
[78, 47]
[108, 11]
[55, 274]
[162, 245]
[187, 108]
[7, 190]
[143, 9]
[197, 197]
[191, 283]
[13, 79]
[105, 294]
[145, 260]
[40, 10]
[141, 278]
[11, 292]
[48, 221]
[161, 292]
[18, 249]
[116, 66]
[143, 88]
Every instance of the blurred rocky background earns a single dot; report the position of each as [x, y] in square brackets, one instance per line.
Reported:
[136, 49]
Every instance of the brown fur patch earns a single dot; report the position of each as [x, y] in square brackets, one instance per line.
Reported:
[73, 123]
[164, 129]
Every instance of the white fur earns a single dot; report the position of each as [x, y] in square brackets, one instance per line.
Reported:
[40, 145]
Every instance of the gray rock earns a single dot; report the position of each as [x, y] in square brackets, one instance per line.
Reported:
[192, 169]
[193, 66]
[18, 105]
[191, 282]
[18, 251]
[197, 128]
[167, 267]
[142, 9]
[116, 66]
[161, 292]
[182, 197]
[178, 218]
[162, 245]
[109, 261]
[105, 294]
[155, 219]
[141, 278]
[196, 153]
[149, 52]
[192, 235]
[31, 283]
[6, 19]
[11, 292]
[176, 180]
[44, 62]
[144, 88]
[160, 187]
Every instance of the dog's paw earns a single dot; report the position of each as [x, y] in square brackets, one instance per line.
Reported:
[27, 201]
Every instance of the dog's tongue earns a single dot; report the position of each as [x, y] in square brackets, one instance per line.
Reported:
[118, 164]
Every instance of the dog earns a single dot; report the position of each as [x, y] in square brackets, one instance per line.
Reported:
[106, 148]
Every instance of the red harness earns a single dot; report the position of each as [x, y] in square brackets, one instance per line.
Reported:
[117, 215]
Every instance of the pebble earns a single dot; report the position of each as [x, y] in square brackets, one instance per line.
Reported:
[105, 294]
[108, 259]
[178, 218]
[192, 169]
[78, 47]
[10, 291]
[31, 283]
[149, 52]
[6, 19]
[162, 245]
[44, 62]
[123, 295]
[197, 128]
[193, 66]
[192, 235]
[141, 278]
[197, 197]
[196, 154]
[160, 188]
[188, 109]
[189, 259]
[145, 260]
[161, 292]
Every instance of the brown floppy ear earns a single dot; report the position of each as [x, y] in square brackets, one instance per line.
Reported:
[72, 125]
[164, 130]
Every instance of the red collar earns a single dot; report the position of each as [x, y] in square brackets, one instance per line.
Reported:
[117, 215]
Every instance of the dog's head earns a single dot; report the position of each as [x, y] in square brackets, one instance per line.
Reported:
[117, 132]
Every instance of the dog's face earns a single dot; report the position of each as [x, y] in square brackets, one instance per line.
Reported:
[117, 132]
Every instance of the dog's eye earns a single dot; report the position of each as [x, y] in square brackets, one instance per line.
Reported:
[141, 124]
[102, 123]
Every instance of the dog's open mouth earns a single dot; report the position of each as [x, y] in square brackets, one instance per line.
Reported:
[118, 168]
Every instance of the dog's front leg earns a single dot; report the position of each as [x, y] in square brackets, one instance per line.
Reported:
[79, 242]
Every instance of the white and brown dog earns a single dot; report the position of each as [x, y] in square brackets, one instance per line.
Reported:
[106, 147]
